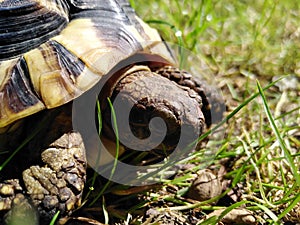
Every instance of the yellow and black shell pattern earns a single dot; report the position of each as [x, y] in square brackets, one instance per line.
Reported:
[52, 51]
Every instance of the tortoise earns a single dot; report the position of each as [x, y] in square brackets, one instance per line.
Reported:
[54, 52]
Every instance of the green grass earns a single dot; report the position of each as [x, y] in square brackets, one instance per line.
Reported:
[250, 49]
[246, 45]
[257, 36]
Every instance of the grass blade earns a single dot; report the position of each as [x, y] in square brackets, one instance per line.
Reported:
[274, 218]
[277, 134]
[29, 138]
[290, 207]
[117, 149]
[105, 213]
[52, 222]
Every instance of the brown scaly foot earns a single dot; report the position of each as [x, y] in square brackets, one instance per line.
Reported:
[55, 186]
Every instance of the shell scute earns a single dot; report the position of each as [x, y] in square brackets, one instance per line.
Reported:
[26, 24]
[55, 73]
[67, 58]
[17, 99]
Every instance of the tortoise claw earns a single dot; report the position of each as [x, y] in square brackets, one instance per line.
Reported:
[59, 184]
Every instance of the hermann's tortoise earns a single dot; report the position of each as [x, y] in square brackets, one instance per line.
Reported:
[51, 53]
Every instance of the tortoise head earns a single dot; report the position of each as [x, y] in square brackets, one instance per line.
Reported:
[151, 112]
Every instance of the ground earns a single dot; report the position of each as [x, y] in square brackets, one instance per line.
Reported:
[249, 168]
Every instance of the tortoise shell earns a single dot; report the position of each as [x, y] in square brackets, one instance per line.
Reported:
[52, 51]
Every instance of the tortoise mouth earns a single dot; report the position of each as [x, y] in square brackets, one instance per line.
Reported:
[24, 25]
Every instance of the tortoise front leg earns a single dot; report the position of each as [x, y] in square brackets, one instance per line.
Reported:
[55, 186]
